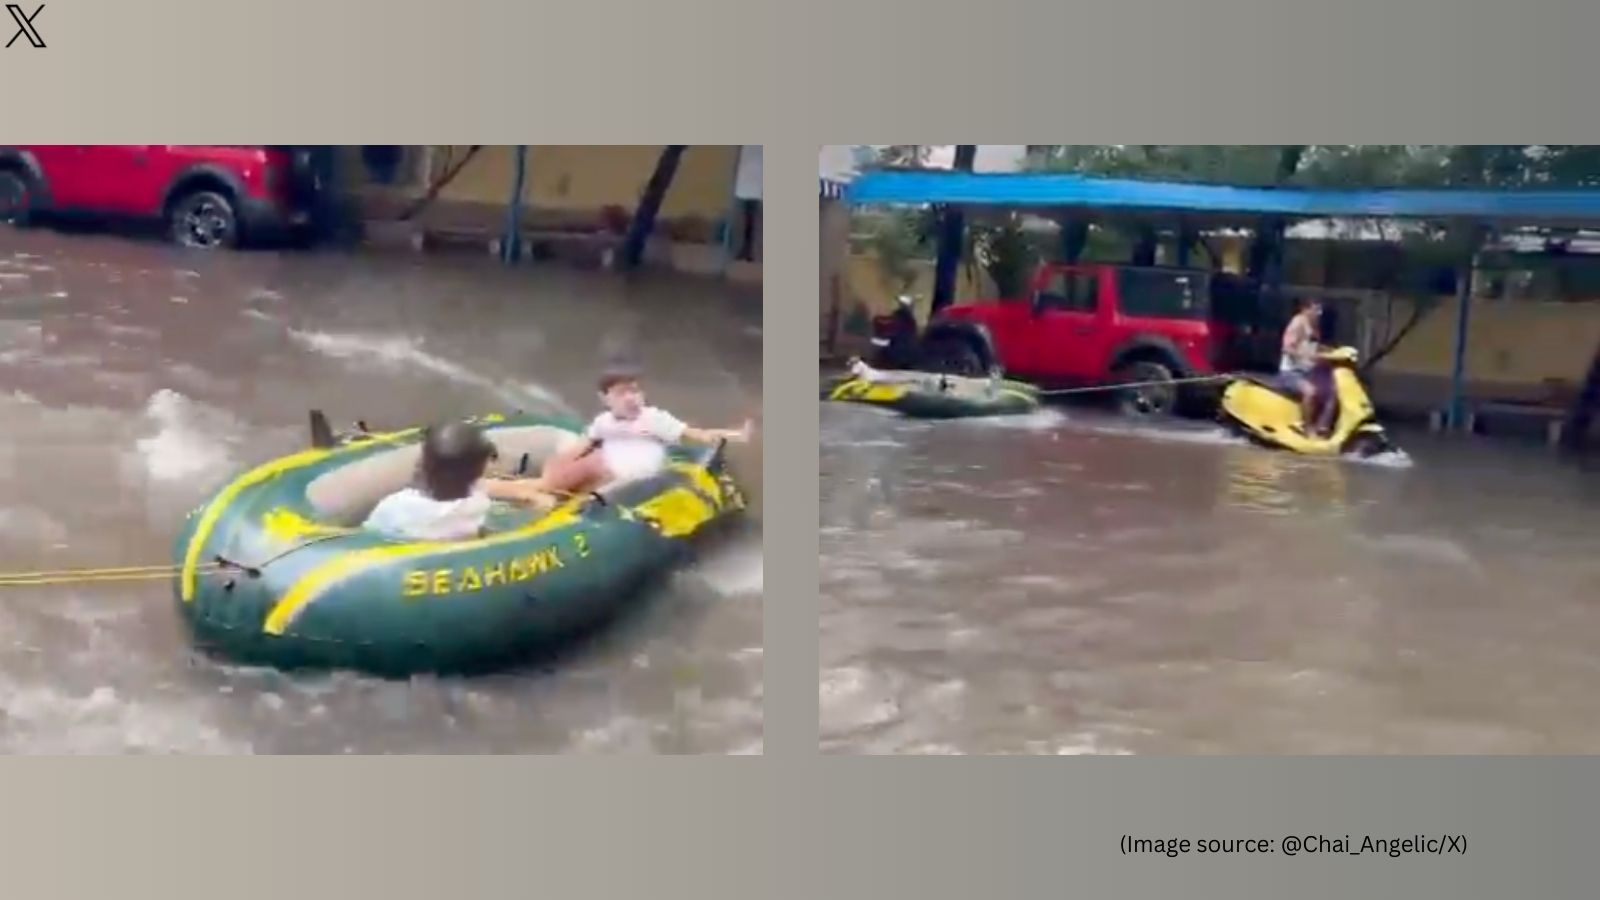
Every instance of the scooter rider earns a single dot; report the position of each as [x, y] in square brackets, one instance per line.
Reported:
[898, 349]
[1299, 359]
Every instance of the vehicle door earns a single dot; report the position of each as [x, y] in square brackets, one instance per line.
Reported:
[64, 169]
[121, 179]
[1068, 324]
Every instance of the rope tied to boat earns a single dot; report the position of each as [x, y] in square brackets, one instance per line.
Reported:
[1125, 385]
[100, 575]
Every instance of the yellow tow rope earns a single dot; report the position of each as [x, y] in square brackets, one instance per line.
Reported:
[94, 576]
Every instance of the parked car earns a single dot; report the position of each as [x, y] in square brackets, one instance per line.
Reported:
[1101, 324]
[205, 196]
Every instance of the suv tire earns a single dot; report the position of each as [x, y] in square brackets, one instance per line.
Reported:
[952, 356]
[16, 198]
[1149, 396]
[204, 220]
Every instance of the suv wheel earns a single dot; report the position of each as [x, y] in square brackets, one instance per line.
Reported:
[952, 356]
[1150, 389]
[16, 198]
[204, 220]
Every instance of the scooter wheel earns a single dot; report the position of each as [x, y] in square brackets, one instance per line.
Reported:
[1366, 445]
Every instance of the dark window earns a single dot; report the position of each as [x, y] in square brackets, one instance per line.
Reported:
[1162, 295]
[1235, 301]
[1069, 291]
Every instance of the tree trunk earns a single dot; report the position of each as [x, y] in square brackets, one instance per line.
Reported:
[644, 218]
[1074, 238]
[1144, 248]
[1584, 407]
[952, 231]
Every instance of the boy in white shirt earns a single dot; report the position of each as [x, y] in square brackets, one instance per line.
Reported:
[626, 442]
[451, 501]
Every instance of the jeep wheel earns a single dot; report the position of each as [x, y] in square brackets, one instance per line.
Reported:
[204, 220]
[952, 356]
[1150, 389]
[16, 199]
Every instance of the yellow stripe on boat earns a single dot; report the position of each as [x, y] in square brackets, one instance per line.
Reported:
[287, 526]
[702, 479]
[869, 392]
[261, 473]
[310, 586]
[677, 512]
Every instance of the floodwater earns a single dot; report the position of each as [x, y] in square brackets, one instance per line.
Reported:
[134, 379]
[1070, 582]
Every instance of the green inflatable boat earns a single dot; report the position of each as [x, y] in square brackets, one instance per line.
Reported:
[929, 396]
[273, 569]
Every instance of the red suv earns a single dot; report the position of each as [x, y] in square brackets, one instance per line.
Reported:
[205, 196]
[1093, 324]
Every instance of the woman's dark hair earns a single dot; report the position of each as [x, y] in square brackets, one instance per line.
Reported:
[454, 457]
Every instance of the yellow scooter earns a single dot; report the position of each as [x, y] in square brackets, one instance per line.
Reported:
[1267, 411]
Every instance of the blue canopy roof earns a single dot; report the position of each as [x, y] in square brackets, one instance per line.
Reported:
[1047, 190]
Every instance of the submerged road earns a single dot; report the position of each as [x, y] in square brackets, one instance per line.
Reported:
[134, 379]
[1071, 582]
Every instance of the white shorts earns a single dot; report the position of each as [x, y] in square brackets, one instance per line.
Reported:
[631, 460]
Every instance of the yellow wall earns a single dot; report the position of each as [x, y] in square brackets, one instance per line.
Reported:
[1232, 249]
[865, 284]
[586, 178]
[865, 293]
[1509, 342]
[833, 240]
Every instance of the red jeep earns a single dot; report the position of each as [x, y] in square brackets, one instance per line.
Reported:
[1100, 324]
[205, 196]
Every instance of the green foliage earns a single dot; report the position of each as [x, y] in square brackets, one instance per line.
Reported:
[903, 155]
[1369, 165]
[1572, 165]
[1218, 163]
[1007, 253]
[898, 238]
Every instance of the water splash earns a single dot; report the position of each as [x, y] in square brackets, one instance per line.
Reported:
[405, 353]
[1393, 459]
[1040, 420]
[43, 719]
[1175, 431]
[734, 572]
[190, 441]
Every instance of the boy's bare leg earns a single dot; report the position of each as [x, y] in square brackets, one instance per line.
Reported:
[574, 476]
[529, 491]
